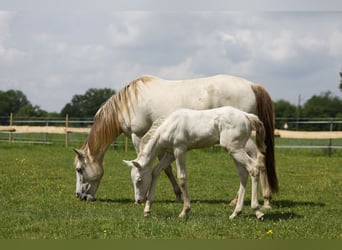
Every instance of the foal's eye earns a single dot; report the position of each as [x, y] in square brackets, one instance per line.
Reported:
[139, 180]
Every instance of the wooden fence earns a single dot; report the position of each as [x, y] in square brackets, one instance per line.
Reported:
[66, 130]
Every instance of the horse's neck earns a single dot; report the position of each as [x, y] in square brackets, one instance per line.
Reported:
[98, 149]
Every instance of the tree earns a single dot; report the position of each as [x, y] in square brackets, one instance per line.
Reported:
[12, 101]
[29, 111]
[340, 81]
[283, 109]
[323, 105]
[86, 105]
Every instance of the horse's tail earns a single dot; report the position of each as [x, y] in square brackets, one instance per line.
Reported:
[266, 115]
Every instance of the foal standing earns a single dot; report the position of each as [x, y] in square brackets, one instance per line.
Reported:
[186, 129]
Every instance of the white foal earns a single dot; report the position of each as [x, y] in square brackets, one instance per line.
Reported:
[186, 129]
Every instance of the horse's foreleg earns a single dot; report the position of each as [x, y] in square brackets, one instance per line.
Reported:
[172, 179]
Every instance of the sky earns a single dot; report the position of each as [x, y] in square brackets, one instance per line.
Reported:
[53, 50]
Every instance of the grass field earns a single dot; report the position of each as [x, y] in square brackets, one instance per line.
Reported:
[37, 185]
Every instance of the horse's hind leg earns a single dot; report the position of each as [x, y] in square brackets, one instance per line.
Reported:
[265, 187]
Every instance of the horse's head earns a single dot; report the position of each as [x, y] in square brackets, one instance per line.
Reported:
[88, 175]
[141, 178]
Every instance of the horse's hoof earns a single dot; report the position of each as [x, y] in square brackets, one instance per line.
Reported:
[233, 203]
[147, 214]
[266, 207]
[179, 199]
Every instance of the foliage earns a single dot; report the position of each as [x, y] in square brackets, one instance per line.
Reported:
[340, 86]
[86, 105]
[284, 110]
[38, 184]
[323, 105]
[12, 101]
[16, 102]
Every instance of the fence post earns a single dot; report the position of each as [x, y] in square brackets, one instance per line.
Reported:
[10, 137]
[66, 130]
[126, 144]
[330, 140]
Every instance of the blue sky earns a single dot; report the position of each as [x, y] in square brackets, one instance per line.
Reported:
[53, 51]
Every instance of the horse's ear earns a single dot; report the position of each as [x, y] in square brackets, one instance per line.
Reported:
[80, 153]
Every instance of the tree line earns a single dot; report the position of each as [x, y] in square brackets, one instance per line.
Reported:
[84, 106]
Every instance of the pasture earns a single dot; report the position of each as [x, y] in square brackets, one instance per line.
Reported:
[37, 185]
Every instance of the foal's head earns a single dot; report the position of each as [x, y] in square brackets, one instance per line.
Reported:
[141, 178]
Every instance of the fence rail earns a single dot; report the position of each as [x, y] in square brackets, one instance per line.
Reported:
[16, 128]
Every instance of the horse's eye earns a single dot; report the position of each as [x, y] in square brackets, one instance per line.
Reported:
[139, 180]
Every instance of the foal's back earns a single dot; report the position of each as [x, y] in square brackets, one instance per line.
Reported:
[201, 128]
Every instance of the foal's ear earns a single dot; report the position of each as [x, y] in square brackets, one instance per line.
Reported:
[132, 164]
[137, 165]
[128, 163]
[80, 153]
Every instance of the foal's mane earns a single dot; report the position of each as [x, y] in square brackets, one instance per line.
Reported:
[107, 119]
[151, 132]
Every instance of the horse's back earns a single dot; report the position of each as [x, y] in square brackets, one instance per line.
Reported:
[204, 93]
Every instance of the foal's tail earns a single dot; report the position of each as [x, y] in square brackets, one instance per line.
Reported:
[259, 128]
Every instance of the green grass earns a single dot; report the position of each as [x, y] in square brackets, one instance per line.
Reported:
[37, 185]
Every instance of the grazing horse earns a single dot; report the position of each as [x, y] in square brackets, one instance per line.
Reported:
[187, 129]
[135, 107]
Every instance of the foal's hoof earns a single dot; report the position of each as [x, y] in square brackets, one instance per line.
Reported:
[147, 214]
[260, 215]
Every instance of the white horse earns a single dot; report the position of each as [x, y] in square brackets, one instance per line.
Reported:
[187, 129]
[134, 108]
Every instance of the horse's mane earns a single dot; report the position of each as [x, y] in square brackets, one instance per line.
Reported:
[107, 119]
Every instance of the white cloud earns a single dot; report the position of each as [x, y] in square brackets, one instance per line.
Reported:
[63, 55]
[183, 70]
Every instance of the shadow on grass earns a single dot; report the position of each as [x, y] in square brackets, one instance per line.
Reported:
[290, 203]
[122, 201]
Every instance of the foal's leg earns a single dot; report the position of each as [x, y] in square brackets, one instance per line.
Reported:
[181, 174]
[167, 170]
[243, 174]
[254, 153]
[254, 200]
[164, 163]
[244, 165]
